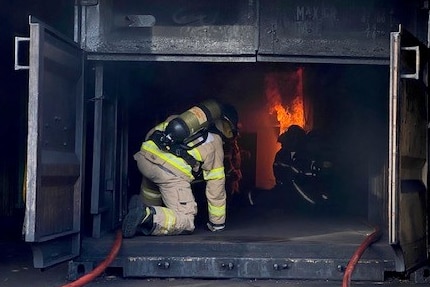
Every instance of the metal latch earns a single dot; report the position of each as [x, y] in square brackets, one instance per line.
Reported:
[89, 2]
[163, 265]
[281, 266]
[227, 266]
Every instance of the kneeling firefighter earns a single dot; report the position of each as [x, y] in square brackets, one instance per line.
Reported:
[173, 154]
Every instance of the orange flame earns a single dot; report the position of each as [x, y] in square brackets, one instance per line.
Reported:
[284, 92]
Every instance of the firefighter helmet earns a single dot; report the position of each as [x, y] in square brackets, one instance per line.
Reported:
[192, 121]
[293, 138]
[227, 125]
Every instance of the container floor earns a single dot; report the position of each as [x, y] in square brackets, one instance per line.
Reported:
[257, 243]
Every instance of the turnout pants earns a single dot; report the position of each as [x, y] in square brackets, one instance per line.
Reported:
[180, 208]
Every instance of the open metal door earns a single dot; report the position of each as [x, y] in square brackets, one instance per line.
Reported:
[55, 146]
[407, 207]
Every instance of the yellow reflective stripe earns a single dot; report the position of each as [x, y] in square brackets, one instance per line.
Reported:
[216, 173]
[161, 126]
[175, 161]
[152, 194]
[216, 210]
[196, 154]
[169, 220]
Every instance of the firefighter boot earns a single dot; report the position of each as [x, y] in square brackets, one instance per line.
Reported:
[215, 227]
[139, 218]
[135, 201]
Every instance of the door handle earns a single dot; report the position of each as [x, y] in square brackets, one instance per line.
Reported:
[17, 41]
[416, 75]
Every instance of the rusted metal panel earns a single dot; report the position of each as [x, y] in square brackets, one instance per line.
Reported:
[54, 148]
[256, 30]
[262, 268]
[334, 28]
[408, 144]
[171, 27]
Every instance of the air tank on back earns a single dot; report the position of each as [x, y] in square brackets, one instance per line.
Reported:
[192, 121]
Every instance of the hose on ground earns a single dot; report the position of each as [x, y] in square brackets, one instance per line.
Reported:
[373, 237]
[102, 266]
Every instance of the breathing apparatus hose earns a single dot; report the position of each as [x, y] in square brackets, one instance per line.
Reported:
[102, 266]
[371, 238]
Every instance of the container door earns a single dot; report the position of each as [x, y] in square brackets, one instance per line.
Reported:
[407, 207]
[55, 146]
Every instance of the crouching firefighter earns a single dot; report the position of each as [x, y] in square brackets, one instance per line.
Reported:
[173, 154]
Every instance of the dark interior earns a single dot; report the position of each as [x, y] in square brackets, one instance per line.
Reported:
[349, 105]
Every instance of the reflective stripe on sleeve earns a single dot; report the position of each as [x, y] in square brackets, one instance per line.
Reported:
[196, 154]
[162, 126]
[175, 161]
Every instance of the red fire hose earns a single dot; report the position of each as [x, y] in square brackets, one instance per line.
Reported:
[102, 266]
[374, 236]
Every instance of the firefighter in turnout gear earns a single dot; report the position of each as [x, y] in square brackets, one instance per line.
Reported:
[166, 204]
